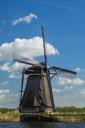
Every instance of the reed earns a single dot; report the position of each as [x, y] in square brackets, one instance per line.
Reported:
[66, 114]
[9, 116]
[69, 117]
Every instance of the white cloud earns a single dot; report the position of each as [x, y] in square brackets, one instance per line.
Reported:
[71, 82]
[56, 90]
[3, 94]
[28, 48]
[4, 91]
[16, 75]
[26, 19]
[12, 76]
[68, 87]
[69, 100]
[82, 92]
[13, 67]
[8, 99]
[5, 67]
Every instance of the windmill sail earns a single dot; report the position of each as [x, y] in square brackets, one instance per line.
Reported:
[63, 70]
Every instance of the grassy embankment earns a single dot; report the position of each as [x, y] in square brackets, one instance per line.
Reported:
[70, 114]
[64, 114]
[9, 115]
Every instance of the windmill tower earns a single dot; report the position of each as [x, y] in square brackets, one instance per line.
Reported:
[37, 96]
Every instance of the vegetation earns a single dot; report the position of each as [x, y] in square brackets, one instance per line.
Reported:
[65, 114]
[7, 110]
[70, 110]
[7, 114]
[69, 114]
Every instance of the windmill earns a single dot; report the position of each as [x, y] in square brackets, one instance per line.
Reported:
[37, 95]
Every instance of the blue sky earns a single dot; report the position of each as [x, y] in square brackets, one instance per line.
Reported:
[20, 26]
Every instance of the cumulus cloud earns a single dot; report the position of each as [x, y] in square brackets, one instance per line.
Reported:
[12, 67]
[26, 19]
[28, 48]
[66, 81]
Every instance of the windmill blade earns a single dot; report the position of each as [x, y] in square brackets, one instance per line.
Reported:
[24, 62]
[29, 63]
[63, 70]
[44, 46]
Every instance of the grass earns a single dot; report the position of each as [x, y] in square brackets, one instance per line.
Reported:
[66, 114]
[9, 116]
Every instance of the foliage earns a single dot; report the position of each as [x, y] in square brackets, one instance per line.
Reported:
[70, 110]
[7, 110]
